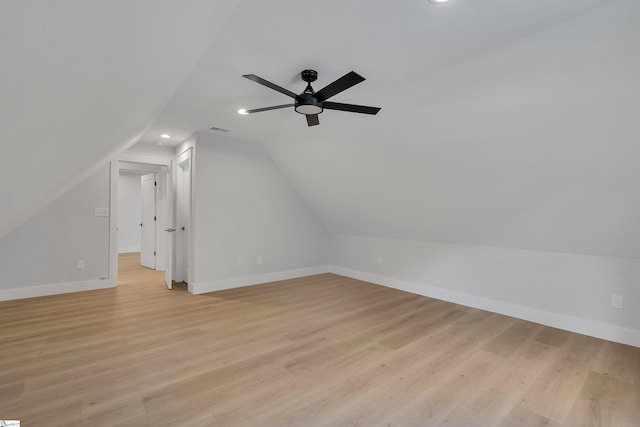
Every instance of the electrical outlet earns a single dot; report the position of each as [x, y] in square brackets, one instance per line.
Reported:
[80, 264]
[617, 301]
[379, 260]
[100, 211]
[240, 261]
[259, 259]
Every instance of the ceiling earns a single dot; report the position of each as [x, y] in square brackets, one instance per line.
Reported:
[396, 46]
[503, 123]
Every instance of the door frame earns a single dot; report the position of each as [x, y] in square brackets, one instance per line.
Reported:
[162, 204]
[189, 152]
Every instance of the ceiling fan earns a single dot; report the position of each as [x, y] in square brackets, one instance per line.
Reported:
[311, 103]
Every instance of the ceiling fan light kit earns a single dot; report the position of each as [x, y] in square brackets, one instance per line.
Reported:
[311, 103]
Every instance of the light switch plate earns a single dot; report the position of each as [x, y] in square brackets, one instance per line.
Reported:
[617, 301]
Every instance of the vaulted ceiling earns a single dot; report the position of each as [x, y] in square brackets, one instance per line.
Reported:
[81, 80]
[503, 123]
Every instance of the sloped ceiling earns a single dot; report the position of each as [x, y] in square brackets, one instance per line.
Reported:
[80, 80]
[503, 123]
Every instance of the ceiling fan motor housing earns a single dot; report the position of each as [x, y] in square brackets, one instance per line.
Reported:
[306, 103]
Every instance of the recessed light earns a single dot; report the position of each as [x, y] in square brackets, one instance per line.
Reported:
[165, 136]
[438, 2]
[242, 111]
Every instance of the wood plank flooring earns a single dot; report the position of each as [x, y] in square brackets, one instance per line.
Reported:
[319, 351]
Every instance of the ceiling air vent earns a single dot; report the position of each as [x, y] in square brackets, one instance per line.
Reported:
[219, 129]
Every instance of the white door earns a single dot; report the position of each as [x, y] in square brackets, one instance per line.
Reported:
[169, 232]
[183, 216]
[148, 234]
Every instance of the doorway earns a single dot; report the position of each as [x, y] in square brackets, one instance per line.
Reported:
[173, 213]
[129, 219]
[140, 213]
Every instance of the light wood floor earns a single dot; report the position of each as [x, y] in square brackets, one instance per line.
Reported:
[319, 351]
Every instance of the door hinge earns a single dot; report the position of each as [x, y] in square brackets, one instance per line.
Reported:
[155, 218]
[155, 183]
[154, 253]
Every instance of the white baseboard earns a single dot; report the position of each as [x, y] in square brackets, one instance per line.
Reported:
[130, 249]
[561, 321]
[238, 282]
[54, 289]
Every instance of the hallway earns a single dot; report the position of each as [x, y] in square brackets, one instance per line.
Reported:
[132, 275]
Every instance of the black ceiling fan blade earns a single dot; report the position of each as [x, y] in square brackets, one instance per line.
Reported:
[312, 120]
[350, 107]
[343, 83]
[268, 84]
[275, 107]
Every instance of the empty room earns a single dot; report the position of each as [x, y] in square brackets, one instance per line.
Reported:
[239, 213]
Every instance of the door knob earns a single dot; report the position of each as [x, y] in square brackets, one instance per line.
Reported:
[182, 228]
[170, 230]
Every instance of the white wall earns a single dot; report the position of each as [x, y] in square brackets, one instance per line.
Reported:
[153, 149]
[564, 290]
[533, 145]
[61, 90]
[244, 207]
[129, 212]
[39, 257]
